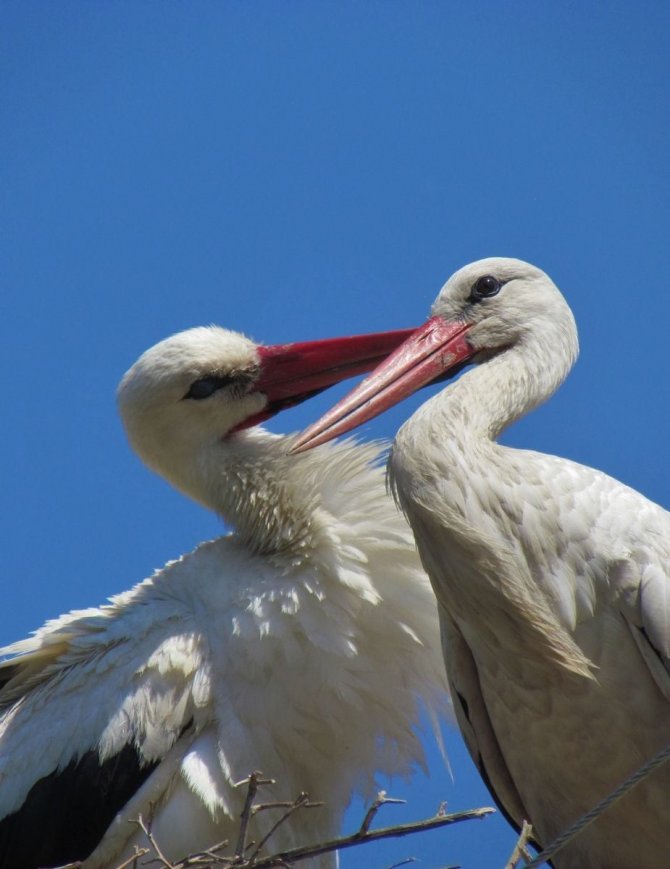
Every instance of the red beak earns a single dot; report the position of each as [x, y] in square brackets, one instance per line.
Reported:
[291, 373]
[430, 352]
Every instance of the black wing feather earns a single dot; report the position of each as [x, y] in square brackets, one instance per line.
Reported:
[66, 813]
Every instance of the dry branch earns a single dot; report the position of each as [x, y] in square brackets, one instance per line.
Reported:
[520, 849]
[247, 854]
[359, 838]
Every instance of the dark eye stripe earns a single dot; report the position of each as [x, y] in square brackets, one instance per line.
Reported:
[206, 386]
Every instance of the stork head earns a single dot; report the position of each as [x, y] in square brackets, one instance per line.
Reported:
[483, 310]
[500, 302]
[188, 394]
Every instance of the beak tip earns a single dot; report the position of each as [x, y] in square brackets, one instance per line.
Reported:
[300, 445]
[309, 438]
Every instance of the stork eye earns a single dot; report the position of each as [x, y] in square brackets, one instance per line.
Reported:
[484, 288]
[206, 386]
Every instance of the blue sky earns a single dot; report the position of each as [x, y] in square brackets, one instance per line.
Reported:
[297, 170]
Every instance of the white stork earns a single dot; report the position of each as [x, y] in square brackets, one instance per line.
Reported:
[552, 578]
[302, 645]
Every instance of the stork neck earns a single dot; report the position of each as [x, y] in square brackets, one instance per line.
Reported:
[501, 390]
[457, 489]
[251, 482]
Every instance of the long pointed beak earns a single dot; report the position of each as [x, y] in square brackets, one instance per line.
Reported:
[430, 352]
[292, 373]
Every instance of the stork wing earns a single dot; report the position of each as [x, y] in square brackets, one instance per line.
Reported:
[645, 604]
[88, 709]
[475, 725]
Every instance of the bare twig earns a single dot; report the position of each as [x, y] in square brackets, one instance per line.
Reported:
[294, 855]
[520, 849]
[211, 853]
[139, 852]
[253, 783]
[204, 858]
[381, 800]
[146, 829]
[211, 857]
[286, 804]
[302, 801]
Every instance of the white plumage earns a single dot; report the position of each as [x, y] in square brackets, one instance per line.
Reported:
[552, 578]
[303, 644]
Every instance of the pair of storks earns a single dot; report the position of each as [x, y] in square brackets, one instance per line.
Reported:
[302, 643]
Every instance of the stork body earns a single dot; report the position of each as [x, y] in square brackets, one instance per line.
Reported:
[552, 578]
[298, 645]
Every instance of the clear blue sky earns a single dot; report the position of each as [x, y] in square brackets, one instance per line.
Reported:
[296, 170]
